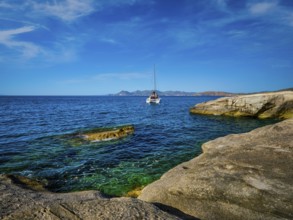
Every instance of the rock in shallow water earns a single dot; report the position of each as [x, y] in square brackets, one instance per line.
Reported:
[243, 176]
[262, 105]
[107, 134]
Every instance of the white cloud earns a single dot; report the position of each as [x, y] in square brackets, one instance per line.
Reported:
[7, 38]
[9, 33]
[274, 12]
[63, 51]
[67, 10]
[262, 8]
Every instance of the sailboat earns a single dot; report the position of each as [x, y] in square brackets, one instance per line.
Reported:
[154, 97]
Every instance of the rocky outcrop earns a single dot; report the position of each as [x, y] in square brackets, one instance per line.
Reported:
[262, 105]
[17, 202]
[108, 134]
[240, 176]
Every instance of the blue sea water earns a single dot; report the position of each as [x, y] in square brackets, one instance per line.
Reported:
[35, 139]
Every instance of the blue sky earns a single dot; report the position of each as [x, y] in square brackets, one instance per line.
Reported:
[72, 47]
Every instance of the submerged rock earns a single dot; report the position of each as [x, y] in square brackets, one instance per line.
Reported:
[240, 176]
[20, 202]
[107, 134]
[262, 105]
[101, 134]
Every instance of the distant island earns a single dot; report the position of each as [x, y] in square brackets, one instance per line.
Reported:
[182, 93]
[173, 93]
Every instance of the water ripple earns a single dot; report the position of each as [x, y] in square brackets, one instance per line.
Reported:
[35, 139]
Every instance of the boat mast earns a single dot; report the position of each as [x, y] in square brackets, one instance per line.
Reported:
[155, 86]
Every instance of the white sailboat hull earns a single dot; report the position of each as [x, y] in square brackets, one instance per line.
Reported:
[153, 101]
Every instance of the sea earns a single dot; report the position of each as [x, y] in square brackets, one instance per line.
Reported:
[36, 139]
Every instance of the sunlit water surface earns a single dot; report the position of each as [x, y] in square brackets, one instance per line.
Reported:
[35, 139]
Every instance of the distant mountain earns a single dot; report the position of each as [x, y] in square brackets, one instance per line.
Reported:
[172, 93]
[135, 93]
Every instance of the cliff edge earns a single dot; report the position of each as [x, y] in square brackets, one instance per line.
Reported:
[261, 105]
[239, 176]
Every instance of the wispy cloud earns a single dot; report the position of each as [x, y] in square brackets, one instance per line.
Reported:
[262, 8]
[58, 52]
[28, 15]
[67, 10]
[29, 50]
[273, 11]
[70, 10]
[5, 5]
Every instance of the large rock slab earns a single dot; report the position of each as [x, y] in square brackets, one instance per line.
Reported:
[240, 176]
[262, 105]
[20, 200]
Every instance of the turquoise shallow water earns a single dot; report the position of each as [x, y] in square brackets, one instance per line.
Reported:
[35, 139]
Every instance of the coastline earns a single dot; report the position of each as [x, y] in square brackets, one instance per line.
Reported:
[173, 187]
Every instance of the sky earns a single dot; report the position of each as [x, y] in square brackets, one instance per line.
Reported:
[99, 47]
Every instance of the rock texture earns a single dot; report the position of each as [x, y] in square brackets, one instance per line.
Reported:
[17, 202]
[240, 176]
[263, 105]
[109, 134]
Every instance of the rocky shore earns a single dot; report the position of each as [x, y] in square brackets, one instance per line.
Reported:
[240, 176]
[21, 198]
[262, 105]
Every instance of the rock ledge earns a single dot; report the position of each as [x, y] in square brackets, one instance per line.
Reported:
[262, 105]
[239, 175]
